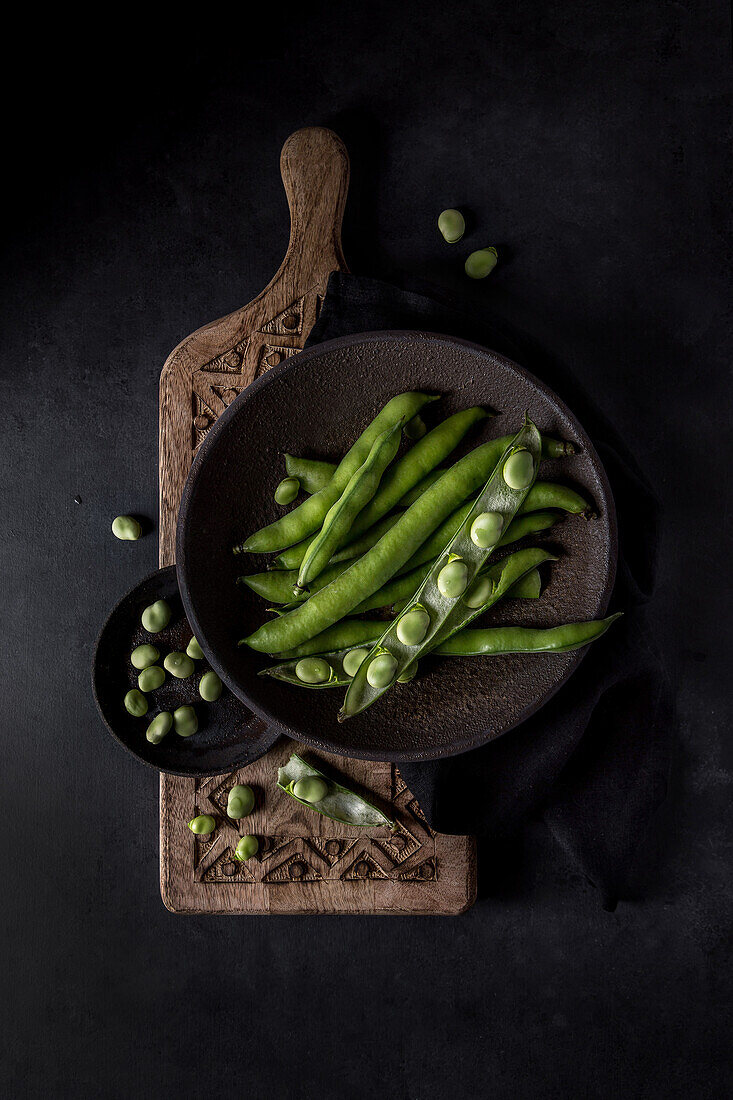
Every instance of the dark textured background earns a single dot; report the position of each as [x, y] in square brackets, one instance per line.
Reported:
[588, 141]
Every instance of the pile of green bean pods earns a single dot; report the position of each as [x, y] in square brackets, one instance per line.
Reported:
[419, 539]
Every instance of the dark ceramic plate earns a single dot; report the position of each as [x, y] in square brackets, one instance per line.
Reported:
[229, 736]
[316, 404]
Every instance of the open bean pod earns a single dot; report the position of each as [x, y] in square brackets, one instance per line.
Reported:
[440, 602]
[338, 802]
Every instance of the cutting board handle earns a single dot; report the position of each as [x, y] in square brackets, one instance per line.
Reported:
[315, 170]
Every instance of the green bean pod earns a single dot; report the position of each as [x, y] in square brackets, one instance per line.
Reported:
[426, 454]
[308, 516]
[312, 474]
[501, 578]
[292, 556]
[543, 494]
[528, 588]
[367, 574]
[441, 594]
[365, 542]
[497, 640]
[276, 585]
[338, 803]
[404, 585]
[340, 518]
[413, 466]
[350, 633]
[491, 641]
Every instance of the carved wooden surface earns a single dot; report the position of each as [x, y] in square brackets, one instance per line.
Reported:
[306, 863]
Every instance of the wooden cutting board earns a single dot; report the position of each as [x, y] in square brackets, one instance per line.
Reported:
[306, 863]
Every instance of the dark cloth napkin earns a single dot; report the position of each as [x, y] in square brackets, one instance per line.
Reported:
[594, 762]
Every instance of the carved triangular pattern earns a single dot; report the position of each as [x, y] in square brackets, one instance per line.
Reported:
[423, 872]
[362, 868]
[230, 360]
[401, 845]
[205, 850]
[271, 845]
[227, 394]
[331, 849]
[398, 783]
[273, 354]
[294, 869]
[287, 323]
[416, 811]
[226, 868]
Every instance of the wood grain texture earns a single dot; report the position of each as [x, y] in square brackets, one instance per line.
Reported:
[306, 863]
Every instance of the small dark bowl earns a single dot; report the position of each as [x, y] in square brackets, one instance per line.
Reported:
[229, 735]
[316, 404]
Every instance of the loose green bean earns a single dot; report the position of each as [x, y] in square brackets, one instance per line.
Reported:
[246, 848]
[151, 678]
[143, 656]
[202, 825]
[185, 721]
[452, 225]
[179, 665]
[287, 491]
[210, 687]
[159, 727]
[308, 516]
[135, 703]
[126, 528]
[340, 518]
[156, 616]
[240, 801]
[481, 263]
